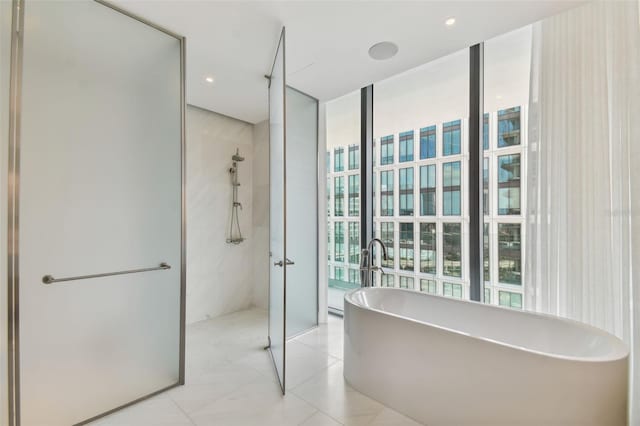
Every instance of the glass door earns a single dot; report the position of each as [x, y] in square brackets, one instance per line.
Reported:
[100, 211]
[277, 212]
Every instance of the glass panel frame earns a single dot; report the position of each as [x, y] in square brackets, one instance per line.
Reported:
[277, 214]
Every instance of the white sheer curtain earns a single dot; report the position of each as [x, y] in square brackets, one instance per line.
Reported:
[583, 226]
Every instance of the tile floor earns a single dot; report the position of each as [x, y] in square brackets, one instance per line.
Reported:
[231, 382]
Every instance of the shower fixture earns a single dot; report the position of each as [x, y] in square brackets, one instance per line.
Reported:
[235, 238]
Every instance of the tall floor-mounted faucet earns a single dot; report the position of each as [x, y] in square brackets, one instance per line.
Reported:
[367, 268]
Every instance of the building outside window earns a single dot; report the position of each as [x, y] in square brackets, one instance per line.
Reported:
[338, 196]
[373, 195]
[386, 235]
[442, 220]
[451, 136]
[354, 276]
[485, 131]
[354, 195]
[509, 253]
[507, 67]
[485, 186]
[328, 162]
[452, 290]
[329, 246]
[354, 157]
[428, 142]
[485, 253]
[406, 191]
[386, 150]
[451, 189]
[506, 181]
[329, 197]
[406, 246]
[338, 241]
[429, 286]
[373, 151]
[509, 127]
[386, 193]
[354, 243]
[509, 184]
[420, 109]
[510, 299]
[343, 196]
[387, 280]
[338, 160]
[428, 253]
[406, 146]
[452, 250]
[406, 282]
[428, 190]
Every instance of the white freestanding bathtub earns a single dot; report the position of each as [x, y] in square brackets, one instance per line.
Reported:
[450, 362]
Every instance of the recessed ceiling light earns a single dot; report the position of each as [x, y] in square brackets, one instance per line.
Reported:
[383, 50]
[450, 21]
[209, 79]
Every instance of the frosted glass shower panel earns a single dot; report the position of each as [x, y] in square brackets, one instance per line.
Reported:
[100, 192]
[277, 219]
[302, 212]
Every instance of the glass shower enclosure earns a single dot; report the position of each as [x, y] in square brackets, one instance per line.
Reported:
[293, 186]
[278, 261]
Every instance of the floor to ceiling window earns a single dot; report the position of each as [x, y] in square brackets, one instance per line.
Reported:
[420, 176]
[343, 196]
[428, 216]
[507, 63]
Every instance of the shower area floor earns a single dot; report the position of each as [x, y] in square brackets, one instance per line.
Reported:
[230, 381]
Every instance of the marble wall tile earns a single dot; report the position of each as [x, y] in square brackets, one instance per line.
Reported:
[219, 275]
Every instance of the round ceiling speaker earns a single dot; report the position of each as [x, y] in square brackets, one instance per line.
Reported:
[383, 50]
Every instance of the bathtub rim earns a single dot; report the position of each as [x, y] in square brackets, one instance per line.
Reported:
[623, 348]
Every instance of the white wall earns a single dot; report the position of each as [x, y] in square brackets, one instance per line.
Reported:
[260, 243]
[219, 275]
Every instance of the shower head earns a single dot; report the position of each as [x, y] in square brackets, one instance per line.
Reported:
[237, 157]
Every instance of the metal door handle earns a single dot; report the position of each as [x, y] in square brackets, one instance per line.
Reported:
[281, 263]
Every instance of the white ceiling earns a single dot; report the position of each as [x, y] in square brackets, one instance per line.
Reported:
[327, 41]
